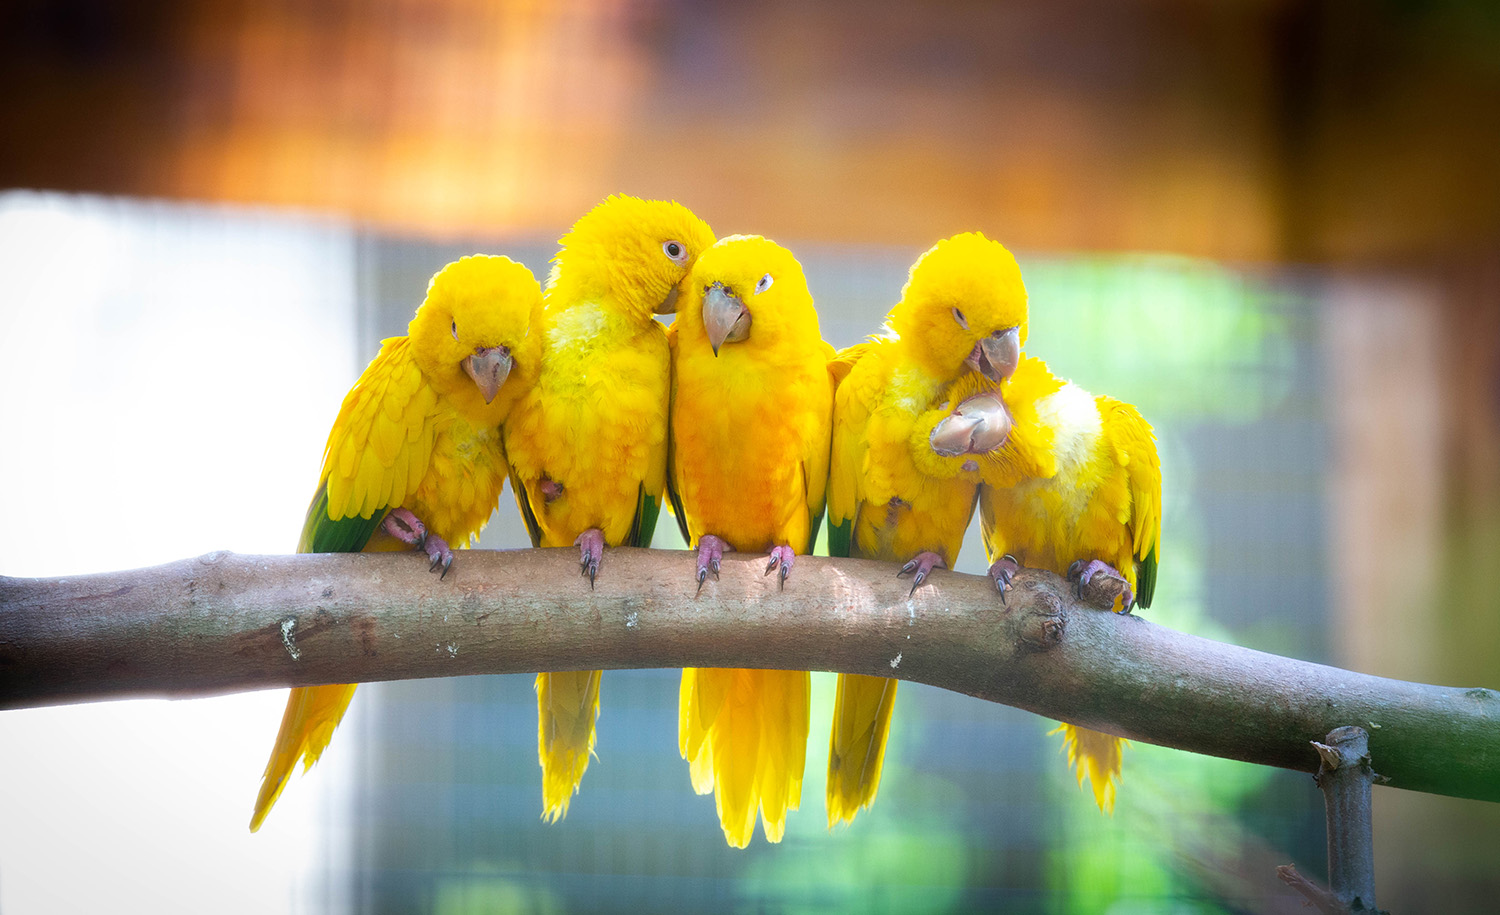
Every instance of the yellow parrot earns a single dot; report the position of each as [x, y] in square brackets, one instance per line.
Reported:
[415, 458]
[1095, 510]
[588, 445]
[891, 496]
[751, 414]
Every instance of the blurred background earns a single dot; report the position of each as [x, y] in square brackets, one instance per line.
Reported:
[1273, 226]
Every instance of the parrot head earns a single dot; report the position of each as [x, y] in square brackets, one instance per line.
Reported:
[747, 289]
[630, 251]
[473, 333]
[964, 307]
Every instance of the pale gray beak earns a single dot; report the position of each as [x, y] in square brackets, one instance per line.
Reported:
[996, 356]
[488, 366]
[725, 317]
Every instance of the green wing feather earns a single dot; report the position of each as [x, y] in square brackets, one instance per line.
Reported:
[1145, 584]
[321, 534]
[679, 513]
[646, 511]
[841, 538]
[523, 501]
[672, 495]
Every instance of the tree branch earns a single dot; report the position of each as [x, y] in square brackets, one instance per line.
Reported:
[1345, 778]
[1317, 895]
[222, 622]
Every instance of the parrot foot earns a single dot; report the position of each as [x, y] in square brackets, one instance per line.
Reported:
[409, 529]
[1001, 572]
[781, 556]
[918, 567]
[1085, 572]
[710, 552]
[590, 545]
[551, 490]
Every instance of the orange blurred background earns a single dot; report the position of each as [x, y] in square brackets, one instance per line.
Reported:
[1344, 130]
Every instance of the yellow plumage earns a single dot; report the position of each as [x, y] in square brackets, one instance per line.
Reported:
[1095, 495]
[749, 464]
[890, 496]
[415, 432]
[588, 444]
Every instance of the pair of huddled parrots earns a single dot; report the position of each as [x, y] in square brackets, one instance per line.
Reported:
[571, 393]
[944, 411]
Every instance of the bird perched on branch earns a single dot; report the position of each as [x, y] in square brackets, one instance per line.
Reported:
[751, 411]
[414, 460]
[891, 496]
[1092, 511]
[588, 445]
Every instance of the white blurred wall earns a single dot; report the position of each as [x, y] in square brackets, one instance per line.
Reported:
[167, 378]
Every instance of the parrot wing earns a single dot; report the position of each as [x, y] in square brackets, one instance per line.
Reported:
[1135, 450]
[378, 451]
[528, 514]
[672, 495]
[850, 447]
[815, 465]
[322, 534]
[844, 360]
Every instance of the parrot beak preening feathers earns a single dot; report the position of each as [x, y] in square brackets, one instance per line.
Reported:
[996, 356]
[488, 366]
[725, 316]
[979, 425]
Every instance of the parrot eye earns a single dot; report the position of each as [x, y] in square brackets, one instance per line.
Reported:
[675, 251]
[455, 330]
[959, 317]
[764, 284]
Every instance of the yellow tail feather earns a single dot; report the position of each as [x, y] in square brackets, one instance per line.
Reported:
[567, 706]
[856, 746]
[1097, 757]
[744, 734]
[312, 712]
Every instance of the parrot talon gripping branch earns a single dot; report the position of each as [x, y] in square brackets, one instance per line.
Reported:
[1001, 571]
[1082, 573]
[710, 557]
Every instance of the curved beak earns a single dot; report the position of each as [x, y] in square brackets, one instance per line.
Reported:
[996, 356]
[668, 305]
[977, 426]
[725, 317]
[488, 366]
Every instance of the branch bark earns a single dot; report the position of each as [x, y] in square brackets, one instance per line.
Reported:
[222, 622]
